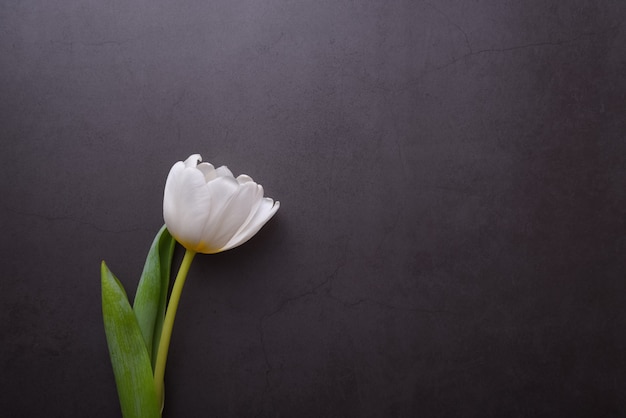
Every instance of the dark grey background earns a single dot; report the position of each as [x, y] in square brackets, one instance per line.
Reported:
[451, 174]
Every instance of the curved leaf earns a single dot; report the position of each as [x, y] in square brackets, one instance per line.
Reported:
[127, 349]
[151, 297]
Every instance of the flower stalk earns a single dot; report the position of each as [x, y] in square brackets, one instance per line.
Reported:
[168, 324]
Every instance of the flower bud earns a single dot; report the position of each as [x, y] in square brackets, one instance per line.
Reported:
[208, 210]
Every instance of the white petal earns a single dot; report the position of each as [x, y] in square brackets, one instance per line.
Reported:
[236, 213]
[186, 205]
[222, 190]
[170, 208]
[223, 171]
[244, 178]
[208, 170]
[258, 201]
[193, 160]
[266, 210]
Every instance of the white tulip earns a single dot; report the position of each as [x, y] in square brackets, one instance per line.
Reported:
[208, 210]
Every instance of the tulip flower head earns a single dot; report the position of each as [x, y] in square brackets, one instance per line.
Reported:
[208, 210]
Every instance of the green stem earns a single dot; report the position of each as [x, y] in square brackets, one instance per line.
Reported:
[168, 324]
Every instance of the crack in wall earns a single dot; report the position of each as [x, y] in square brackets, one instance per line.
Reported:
[326, 283]
[50, 218]
[450, 21]
[376, 84]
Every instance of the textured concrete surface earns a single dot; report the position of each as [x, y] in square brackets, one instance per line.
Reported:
[451, 236]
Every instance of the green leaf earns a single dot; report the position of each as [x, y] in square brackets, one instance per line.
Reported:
[129, 357]
[151, 297]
